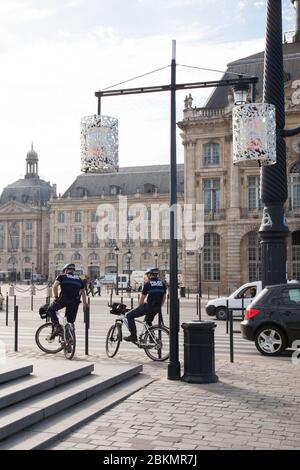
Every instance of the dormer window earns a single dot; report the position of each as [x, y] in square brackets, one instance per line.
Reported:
[114, 190]
[149, 188]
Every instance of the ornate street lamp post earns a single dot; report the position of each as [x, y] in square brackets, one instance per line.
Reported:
[129, 255]
[274, 230]
[116, 249]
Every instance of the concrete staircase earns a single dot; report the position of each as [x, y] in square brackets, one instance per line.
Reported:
[44, 401]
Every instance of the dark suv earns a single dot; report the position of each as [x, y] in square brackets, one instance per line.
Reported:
[272, 320]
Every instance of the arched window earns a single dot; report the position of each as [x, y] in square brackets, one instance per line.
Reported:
[296, 255]
[211, 257]
[76, 257]
[93, 257]
[294, 187]
[211, 153]
[254, 257]
[59, 257]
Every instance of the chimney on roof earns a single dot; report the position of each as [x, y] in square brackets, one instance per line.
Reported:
[296, 4]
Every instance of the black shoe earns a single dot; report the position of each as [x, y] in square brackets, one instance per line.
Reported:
[56, 331]
[132, 338]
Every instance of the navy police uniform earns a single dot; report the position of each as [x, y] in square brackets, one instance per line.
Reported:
[69, 298]
[155, 290]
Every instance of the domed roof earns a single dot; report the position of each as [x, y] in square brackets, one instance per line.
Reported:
[32, 155]
[27, 191]
[31, 189]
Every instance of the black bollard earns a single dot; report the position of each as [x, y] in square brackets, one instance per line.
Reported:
[16, 318]
[131, 302]
[87, 325]
[231, 335]
[32, 303]
[227, 315]
[200, 313]
[6, 310]
[197, 306]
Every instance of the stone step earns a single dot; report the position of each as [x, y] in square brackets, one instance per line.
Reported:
[12, 370]
[33, 410]
[47, 375]
[47, 432]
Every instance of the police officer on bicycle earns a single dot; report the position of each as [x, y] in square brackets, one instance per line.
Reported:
[155, 291]
[71, 289]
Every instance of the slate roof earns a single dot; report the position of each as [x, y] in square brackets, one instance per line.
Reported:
[254, 66]
[128, 179]
[27, 190]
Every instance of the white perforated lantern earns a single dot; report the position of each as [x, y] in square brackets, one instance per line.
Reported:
[99, 143]
[254, 134]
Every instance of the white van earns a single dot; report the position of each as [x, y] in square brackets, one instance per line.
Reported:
[111, 279]
[217, 307]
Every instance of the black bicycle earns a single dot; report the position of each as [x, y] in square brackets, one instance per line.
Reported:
[154, 340]
[65, 340]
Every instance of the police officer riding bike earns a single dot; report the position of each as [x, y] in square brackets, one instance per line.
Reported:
[71, 289]
[155, 291]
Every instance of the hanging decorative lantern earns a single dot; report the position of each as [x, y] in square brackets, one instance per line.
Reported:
[99, 144]
[254, 134]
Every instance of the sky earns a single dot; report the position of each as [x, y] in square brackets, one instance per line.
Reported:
[54, 55]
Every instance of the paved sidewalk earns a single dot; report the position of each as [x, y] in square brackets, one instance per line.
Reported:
[255, 405]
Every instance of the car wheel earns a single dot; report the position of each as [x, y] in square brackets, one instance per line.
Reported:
[221, 313]
[270, 340]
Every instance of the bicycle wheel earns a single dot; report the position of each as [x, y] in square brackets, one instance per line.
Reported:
[70, 341]
[113, 340]
[42, 339]
[157, 343]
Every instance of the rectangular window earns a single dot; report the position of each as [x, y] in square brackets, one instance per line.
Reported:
[1, 241]
[211, 154]
[254, 201]
[61, 235]
[295, 192]
[94, 217]
[28, 226]
[77, 236]
[61, 218]
[77, 216]
[211, 195]
[28, 242]
[94, 238]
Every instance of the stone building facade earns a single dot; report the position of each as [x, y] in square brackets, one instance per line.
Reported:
[24, 224]
[74, 220]
[231, 252]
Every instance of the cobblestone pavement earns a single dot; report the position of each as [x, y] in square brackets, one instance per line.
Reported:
[255, 404]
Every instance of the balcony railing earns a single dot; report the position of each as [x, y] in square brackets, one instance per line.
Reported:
[93, 245]
[59, 245]
[204, 113]
[251, 213]
[215, 215]
[76, 245]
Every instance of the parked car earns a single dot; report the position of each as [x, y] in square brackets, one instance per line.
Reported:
[272, 320]
[217, 307]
